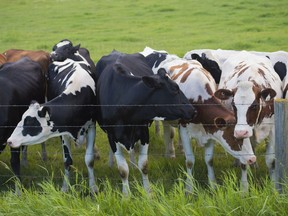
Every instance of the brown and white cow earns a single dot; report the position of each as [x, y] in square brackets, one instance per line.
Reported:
[214, 122]
[249, 85]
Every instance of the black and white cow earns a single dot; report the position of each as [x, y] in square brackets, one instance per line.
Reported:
[130, 96]
[20, 82]
[65, 49]
[214, 121]
[69, 112]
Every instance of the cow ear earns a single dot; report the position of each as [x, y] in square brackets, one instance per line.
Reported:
[267, 94]
[120, 68]
[151, 82]
[76, 48]
[223, 94]
[195, 56]
[220, 123]
[44, 112]
[162, 73]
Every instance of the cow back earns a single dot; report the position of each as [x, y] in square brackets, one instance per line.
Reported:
[40, 56]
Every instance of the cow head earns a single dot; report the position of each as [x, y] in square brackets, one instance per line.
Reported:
[34, 127]
[63, 50]
[250, 104]
[154, 57]
[209, 64]
[169, 101]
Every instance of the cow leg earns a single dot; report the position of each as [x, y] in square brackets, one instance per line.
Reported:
[15, 164]
[15, 161]
[189, 155]
[111, 158]
[44, 152]
[122, 168]
[89, 158]
[244, 179]
[143, 166]
[24, 161]
[180, 145]
[143, 159]
[157, 127]
[96, 153]
[168, 132]
[270, 155]
[209, 150]
[67, 162]
[132, 157]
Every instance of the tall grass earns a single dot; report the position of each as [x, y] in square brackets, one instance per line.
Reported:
[226, 199]
[129, 26]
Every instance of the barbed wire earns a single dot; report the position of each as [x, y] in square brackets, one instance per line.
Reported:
[76, 154]
[152, 156]
[124, 125]
[125, 105]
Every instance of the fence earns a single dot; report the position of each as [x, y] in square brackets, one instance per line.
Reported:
[281, 129]
[281, 141]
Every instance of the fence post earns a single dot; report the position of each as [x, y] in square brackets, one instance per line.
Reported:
[281, 142]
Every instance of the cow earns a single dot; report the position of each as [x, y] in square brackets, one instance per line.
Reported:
[2, 59]
[212, 60]
[249, 85]
[285, 87]
[64, 49]
[69, 112]
[20, 82]
[40, 56]
[129, 97]
[214, 121]
[279, 60]
[43, 58]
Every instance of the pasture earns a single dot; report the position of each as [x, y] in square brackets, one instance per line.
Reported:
[129, 26]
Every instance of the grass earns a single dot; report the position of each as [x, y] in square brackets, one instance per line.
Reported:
[223, 200]
[129, 26]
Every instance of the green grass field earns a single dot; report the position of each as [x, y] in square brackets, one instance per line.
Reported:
[129, 26]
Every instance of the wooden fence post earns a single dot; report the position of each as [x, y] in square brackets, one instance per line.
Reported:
[281, 142]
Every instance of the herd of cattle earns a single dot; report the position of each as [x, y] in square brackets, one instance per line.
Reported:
[221, 96]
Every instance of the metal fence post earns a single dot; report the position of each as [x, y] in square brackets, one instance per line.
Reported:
[281, 142]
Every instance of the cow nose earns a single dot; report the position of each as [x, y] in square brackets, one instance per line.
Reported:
[241, 134]
[251, 160]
